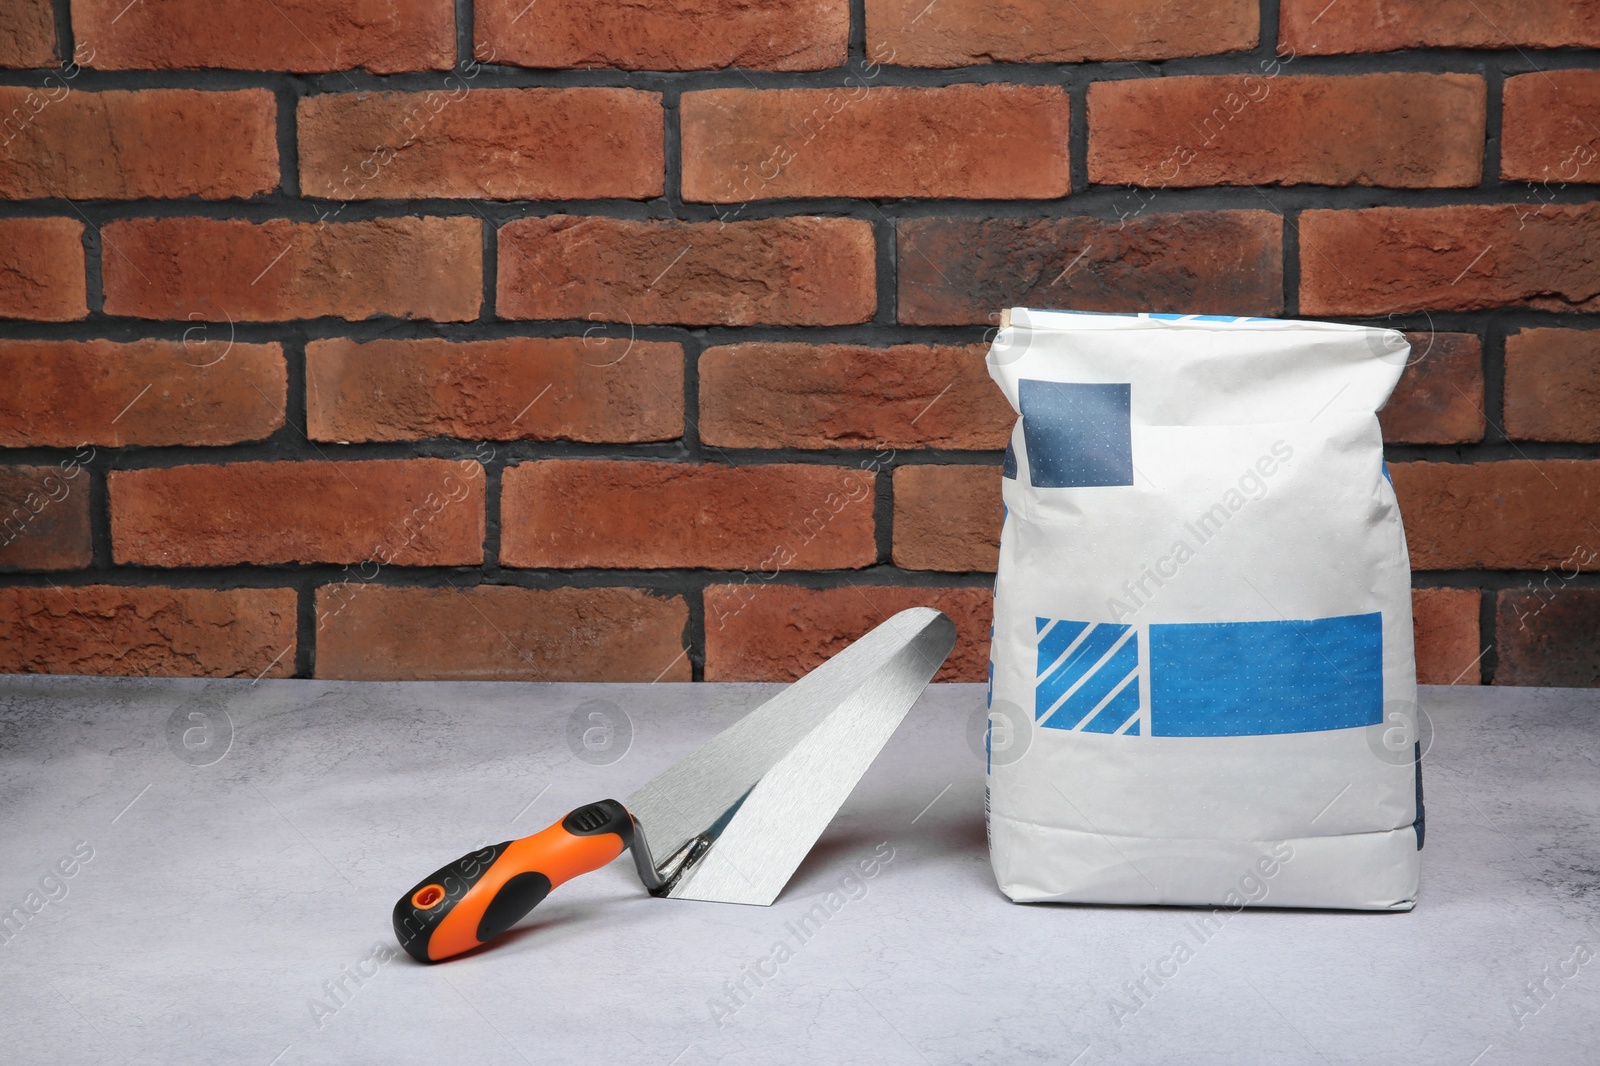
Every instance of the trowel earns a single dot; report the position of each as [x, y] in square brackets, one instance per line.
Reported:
[728, 824]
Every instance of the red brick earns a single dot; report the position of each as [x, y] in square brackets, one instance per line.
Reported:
[1516, 514]
[689, 35]
[27, 34]
[1546, 131]
[408, 512]
[1458, 258]
[566, 514]
[758, 631]
[1445, 622]
[109, 629]
[960, 271]
[785, 395]
[520, 388]
[61, 394]
[1439, 399]
[947, 517]
[957, 33]
[1548, 635]
[499, 633]
[133, 145]
[496, 144]
[305, 36]
[222, 269]
[1321, 28]
[1552, 385]
[999, 142]
[42, 269]
[1399, 130]
[44, 517]
[804, 271]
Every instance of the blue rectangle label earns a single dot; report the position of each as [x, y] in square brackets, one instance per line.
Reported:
[1255, 678]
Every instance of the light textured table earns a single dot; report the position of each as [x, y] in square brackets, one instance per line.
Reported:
[225, 899]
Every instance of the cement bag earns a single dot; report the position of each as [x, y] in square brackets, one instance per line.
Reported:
[1202, 653]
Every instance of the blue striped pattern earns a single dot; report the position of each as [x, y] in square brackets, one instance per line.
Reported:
[1087, 676]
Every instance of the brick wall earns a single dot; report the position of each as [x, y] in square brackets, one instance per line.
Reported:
[581, 340]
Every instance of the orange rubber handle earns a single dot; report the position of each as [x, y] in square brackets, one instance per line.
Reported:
[484, 893]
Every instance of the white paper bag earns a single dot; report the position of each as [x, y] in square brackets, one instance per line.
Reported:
[1202, 681]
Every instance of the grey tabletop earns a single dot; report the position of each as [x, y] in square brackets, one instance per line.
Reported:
[234, 851]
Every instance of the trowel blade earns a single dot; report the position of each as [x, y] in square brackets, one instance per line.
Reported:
[790, 764]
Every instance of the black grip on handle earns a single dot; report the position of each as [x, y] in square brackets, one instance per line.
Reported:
[527, 890]
[602, 816]
[512, 903]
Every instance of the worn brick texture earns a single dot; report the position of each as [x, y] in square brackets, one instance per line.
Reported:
[633, 341]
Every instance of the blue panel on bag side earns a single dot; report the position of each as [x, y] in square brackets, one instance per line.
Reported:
[1078, 435]
[1008, 465]
[1220, 679]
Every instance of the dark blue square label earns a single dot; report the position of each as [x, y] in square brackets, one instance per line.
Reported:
[1078, 435]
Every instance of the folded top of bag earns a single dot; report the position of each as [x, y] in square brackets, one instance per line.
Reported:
[1203, 369]
[1036, 319]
